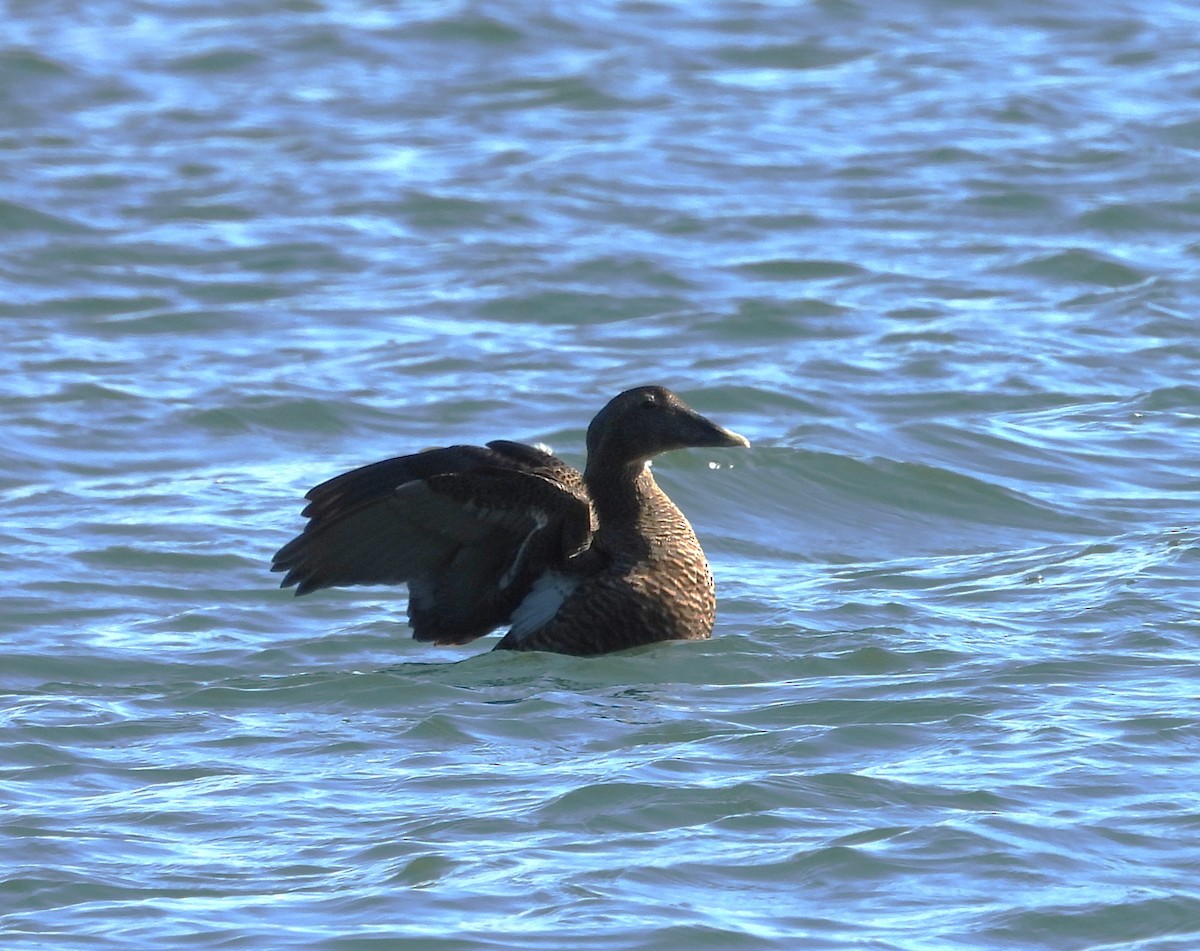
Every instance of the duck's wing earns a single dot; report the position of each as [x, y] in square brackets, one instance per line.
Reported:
[469, 528]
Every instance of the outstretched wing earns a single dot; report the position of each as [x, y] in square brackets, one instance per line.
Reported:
[468, 528]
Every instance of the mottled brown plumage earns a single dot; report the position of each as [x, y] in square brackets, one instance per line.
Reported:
[509, 534]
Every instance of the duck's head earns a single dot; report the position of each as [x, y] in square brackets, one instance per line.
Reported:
[647, 420]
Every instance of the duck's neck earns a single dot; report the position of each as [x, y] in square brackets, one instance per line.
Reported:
[620, 492]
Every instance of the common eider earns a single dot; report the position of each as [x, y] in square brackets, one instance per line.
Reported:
[578, 563]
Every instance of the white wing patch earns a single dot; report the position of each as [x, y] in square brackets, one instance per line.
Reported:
[549, 592]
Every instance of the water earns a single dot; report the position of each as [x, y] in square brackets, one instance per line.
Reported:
[938, 261]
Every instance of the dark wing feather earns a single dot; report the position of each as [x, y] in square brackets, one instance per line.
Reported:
[468, 528]
[379, 478]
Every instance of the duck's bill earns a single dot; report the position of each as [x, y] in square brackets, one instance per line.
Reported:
[704, 433]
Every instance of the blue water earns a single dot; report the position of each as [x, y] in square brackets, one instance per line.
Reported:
[938, 261]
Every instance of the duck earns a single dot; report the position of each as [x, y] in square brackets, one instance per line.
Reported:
[581, 563]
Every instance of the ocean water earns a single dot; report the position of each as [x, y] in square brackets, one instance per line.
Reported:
[937, 260]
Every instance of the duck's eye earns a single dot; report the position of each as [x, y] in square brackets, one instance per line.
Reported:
[649, 403]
